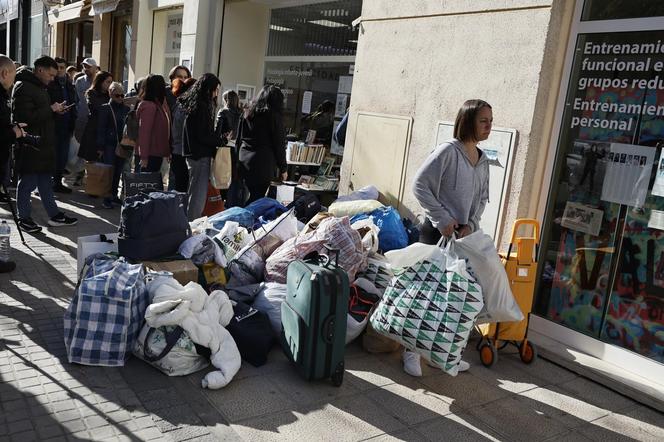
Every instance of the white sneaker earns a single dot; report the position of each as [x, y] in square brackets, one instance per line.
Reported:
[411, 363]
[463, 366]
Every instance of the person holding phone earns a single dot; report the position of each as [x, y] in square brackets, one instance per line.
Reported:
[61, 90]
[35, 165]
[452, 186]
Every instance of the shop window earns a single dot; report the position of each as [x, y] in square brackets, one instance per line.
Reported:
[36, 48]
[306, 86]
[78, 41]
[618, 9]
[602, 259]
[317, 29]
[121, 49]
[166, 40]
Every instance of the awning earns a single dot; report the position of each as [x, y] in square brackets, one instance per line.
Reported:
[69, 12]
[103, 6]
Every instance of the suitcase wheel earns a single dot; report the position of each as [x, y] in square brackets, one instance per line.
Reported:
[527, 352]
[338, 375]
[488, 354]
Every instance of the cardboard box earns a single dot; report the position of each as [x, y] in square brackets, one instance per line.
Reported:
[89, 245]
[183, 270]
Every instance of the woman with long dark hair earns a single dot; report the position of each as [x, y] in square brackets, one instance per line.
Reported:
[261, 143]
[179, 176]
[200, 141]
[154, 126]
[96, 97]
[229, 117]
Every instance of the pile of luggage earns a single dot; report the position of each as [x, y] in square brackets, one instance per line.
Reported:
[229, 287]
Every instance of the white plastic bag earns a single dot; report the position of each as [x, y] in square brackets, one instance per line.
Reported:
[269, 301]
[485, 265]
[369, 233]
[232, 239]
[354, 328]
[181, 360]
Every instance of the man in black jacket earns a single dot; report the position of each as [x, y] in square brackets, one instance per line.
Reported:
[36, 164]
[61, 90]
[9, 132]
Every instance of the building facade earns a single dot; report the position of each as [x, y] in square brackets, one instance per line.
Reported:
[578, 128]
[576, 89]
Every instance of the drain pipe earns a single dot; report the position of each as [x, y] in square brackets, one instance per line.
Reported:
[221, 39]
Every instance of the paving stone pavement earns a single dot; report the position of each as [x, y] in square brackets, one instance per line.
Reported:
[43, 397]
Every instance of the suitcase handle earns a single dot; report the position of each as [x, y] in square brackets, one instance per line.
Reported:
[326, 258]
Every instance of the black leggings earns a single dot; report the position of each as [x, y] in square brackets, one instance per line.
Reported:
[429, 234]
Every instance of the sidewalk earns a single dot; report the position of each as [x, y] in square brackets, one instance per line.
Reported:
[45, 398]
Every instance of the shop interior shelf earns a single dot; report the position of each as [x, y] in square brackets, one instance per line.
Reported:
[298, 163]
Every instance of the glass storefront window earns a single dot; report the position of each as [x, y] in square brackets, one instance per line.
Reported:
[316, 29]
[602, 260]
[166, 40]
[121, 49]
[36, 48]
[78, 41]
[313, 83]
[618, 9]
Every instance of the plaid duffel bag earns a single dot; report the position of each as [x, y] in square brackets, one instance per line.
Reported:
[106, 313]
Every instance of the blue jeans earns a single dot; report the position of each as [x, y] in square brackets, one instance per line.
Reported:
[26, 184]
[199, 177]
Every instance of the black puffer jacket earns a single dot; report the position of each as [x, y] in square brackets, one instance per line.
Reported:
[31, 104]
[7, 136]
[262, 147]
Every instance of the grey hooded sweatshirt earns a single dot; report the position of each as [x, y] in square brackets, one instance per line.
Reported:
[448, 187]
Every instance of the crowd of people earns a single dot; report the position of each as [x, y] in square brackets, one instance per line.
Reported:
[51, 107]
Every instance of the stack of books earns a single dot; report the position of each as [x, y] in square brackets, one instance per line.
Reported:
[299, 152]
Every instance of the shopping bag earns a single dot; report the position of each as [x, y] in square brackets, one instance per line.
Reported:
[99, 179]
[485, 265]
[170, 350]
[89, 245]
[142, 182]
[106, 313]
[430, 304]
[74, 163]
[124, 151]
[214, 203]
[221, 171]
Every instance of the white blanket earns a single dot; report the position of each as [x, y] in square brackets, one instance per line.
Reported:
[203, 317]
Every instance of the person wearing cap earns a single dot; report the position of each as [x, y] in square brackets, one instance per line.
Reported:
[82, 84]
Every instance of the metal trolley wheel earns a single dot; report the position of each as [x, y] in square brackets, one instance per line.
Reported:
[488, 354]
[527, 352]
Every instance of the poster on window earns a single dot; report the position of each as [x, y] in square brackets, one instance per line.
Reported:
[582, 218]
[174, 35]
[627, 174]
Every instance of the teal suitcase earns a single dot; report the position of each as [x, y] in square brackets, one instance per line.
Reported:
[313, 317]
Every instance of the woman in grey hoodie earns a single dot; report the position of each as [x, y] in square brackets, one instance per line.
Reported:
[452, 186]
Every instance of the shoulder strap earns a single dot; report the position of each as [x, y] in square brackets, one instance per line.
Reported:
[115, 123]
[171, 339]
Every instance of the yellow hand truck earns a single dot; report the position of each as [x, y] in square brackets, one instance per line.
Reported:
[521, 269]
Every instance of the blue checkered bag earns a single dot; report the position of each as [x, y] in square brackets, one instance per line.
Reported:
[107, 312]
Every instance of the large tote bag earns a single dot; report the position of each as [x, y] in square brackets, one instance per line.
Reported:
[106, 313]
[99, 179]
[221, 172]
[430, 304]
[142, 182]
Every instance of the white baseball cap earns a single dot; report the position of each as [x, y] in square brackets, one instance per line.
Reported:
[90, 62]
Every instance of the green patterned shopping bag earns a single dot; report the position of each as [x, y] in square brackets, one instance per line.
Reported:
[430, 305]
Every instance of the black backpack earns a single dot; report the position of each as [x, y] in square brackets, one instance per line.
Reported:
[306, 207]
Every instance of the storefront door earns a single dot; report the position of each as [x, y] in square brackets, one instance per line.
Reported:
[602, 257]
